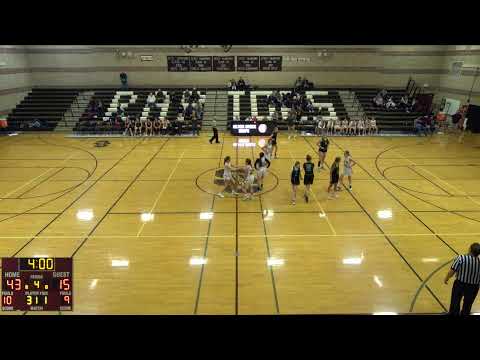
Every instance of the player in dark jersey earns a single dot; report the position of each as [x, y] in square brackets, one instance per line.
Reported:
[309, 175]
[295, 179]
[322, 151]
[274, 141]
[261, 165]
[334, 178]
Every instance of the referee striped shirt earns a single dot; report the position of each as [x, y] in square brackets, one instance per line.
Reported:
[467, 268]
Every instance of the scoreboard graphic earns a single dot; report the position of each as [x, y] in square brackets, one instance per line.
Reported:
[37, 284]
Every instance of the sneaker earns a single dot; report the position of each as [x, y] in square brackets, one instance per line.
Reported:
[221, 195]
[293, 202]
[350, 188]
[330, 197]
[306, 198]
[336, 195]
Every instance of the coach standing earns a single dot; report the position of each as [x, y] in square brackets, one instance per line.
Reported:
[467, 269]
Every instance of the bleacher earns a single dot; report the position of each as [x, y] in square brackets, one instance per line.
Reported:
[387, 120]
[242, 104]
[134, 103]
[47, 106]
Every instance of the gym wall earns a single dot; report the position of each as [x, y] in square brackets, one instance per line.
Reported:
[15, 77]
[344, 66]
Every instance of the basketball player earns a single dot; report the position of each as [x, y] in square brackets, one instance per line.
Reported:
[352, 127]
[268, 149]
[128, 127]
[249, 179]
[274, 141]
[348, 163]
[344, 129]
[334, 178]
[322, 151]
[308, 176]
[138, 127]
[148, 127]
[373, 126]
[295, 178]
[228, 177]
[361, 127]
[291, 124]
[156, 126]
[337, 126]
[330, 126]
[261, 165]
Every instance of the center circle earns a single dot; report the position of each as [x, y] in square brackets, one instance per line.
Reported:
[211, 182]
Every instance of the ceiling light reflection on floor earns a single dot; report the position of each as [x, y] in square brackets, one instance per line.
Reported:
[198, 260]
[275, 262]
[85, 215]
[93, 284]
[384, 214]
[146, 217]
[206, 215]
[377, 281]
[353, 260]
[268, 214]
[120, 263]
[430, 260]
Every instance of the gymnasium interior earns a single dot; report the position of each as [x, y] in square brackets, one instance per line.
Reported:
[139, 218]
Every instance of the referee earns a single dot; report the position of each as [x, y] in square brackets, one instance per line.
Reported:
[467, 269]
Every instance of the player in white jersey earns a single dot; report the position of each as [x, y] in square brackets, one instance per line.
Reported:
[352, 127]
[249, 179]
[268, 149]
[361, 127]
[344, 128]
[373, 126]
[337, 126]
[228, 179]
[348, 163]
[330, 124]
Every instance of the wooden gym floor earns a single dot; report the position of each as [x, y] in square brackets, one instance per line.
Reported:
[382, 248]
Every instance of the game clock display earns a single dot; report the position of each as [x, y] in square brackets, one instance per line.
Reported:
[37, 284]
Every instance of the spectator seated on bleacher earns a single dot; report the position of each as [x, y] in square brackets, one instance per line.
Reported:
[188, 111]
[194, 97]
[390, 105]
[298, 83]
[378, 100]
[404, 103]
[420, 125]
[232, 85]
[151, 100]
[241, 84]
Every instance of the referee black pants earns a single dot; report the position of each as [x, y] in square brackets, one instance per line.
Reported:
[466, 291]
[215, 136]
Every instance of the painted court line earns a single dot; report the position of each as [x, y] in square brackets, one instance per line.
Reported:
[439, 179]
[35, 178]
[189, 236]
[161, 191]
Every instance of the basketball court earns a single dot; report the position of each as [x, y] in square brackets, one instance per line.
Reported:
[148, 235]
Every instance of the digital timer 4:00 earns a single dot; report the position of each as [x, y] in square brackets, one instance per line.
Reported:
[37, 284]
